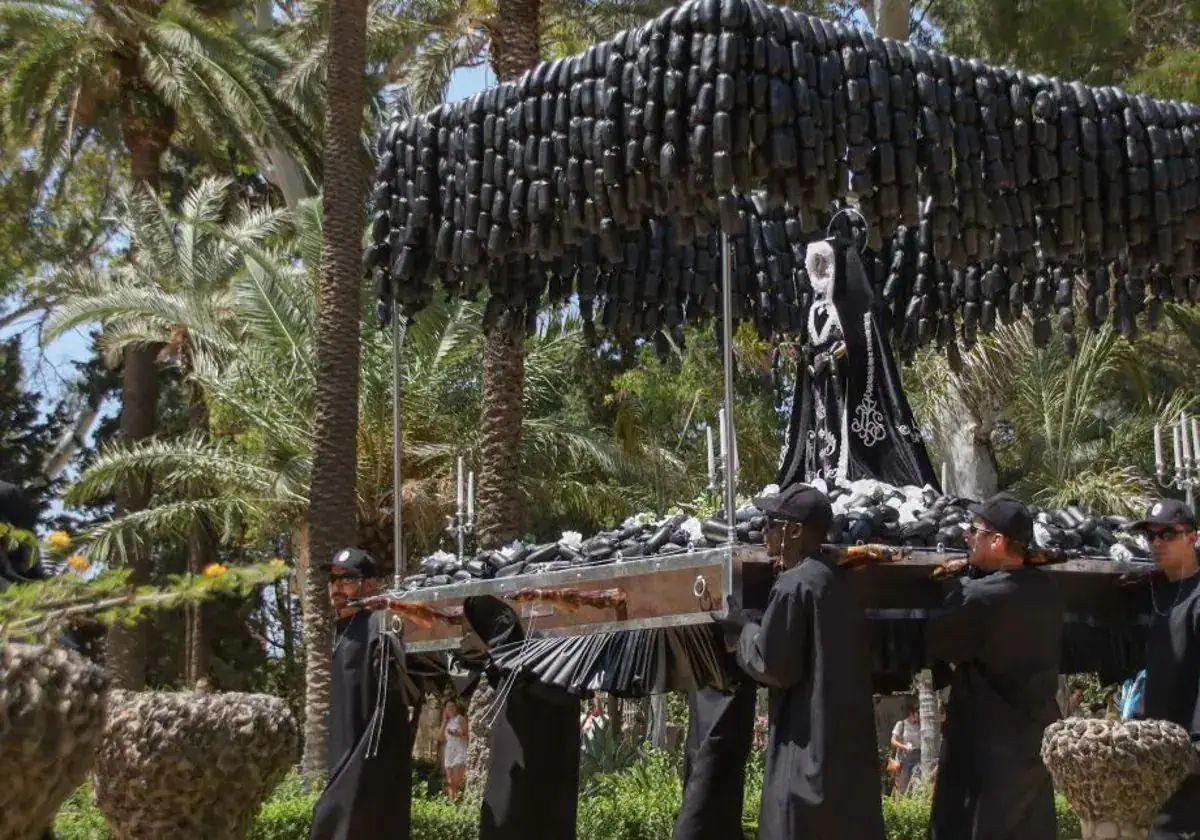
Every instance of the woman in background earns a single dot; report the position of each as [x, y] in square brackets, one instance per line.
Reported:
[454, 737]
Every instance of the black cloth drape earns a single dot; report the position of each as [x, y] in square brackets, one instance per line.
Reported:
[851, 419]
[720, 735]
[1001, 632]
[822, 769]
[1173, 692]
[370, 741]
[532, 788]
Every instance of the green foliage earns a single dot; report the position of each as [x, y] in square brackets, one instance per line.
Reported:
[1078, 428]
[639, 803]
[606, 752]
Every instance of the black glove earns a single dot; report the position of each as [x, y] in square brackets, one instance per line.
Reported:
[736, 617]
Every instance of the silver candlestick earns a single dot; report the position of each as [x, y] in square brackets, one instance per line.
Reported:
[1185, 452]
[462, 523]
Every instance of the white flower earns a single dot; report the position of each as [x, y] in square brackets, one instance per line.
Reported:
[571, 539]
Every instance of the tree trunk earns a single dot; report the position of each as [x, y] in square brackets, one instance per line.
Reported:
[928, 708]
[658, 721]
[966, 443]
[479, 750]
[146, 128]
[516, 48]
[333, 508]
[201, 552]
[890, 19]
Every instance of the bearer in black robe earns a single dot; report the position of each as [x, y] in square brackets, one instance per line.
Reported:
[19, 564]
[850, 417]
[1172, 689]
[532, 789]
[370, 737]
[1001, 632]
[720, 735]
[822, 774]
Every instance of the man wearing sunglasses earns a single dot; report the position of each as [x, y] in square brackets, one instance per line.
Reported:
[370, 738]
[811, 649]
[1172, 689]
[1000, 631]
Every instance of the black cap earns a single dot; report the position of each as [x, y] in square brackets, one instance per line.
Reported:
[354, 562]
[1006, 515]
[1166, 513]
[798, 503]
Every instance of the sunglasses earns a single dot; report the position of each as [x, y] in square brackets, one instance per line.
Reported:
[979, 529]
[1165, 535]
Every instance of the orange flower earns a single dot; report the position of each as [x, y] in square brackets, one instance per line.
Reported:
[59, 540]
[276, 563]
[79, 563]
[213, 570]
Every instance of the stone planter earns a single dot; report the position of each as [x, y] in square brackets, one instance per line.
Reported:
[187, 766]
[1116, 774]
[51, 717]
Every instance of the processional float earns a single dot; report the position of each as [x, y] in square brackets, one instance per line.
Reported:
[682, 169]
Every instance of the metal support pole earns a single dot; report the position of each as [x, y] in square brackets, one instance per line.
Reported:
[398, 332]
[727, 365]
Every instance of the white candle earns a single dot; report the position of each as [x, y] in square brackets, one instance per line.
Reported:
[1158, 453]
[1175, 447]
[945, 478]
[724, 435]
[1195, 438]
[1187, 439]
[470, 495]
[460, 485]
[712, 457]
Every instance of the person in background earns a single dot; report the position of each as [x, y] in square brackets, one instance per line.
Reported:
[1172, 686]
[593, 722]
[810, 647]
[996, 641]
[906, 741]
[370, 734]
[454, 737]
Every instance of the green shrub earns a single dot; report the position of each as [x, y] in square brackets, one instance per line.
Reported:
[639, 803]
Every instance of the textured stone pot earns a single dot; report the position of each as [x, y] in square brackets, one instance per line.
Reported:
[1116, 774]
[51, 717]
[186, 766]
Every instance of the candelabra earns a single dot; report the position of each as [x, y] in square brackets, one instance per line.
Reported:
[462, 523]
[1185, 450]
[718, 464]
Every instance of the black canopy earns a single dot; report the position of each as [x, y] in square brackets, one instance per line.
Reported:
[987, 192]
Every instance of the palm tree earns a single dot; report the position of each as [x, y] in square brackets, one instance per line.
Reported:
[185, 265]
[134, 74]
[255, 363]
[331, 516]
[1064, 428]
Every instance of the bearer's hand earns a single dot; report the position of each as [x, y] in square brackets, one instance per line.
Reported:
[950, 568]
[735, 619]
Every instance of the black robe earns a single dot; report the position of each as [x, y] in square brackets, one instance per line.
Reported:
[822, 778]
[720, 735]
[1002, 632]
[532, 788]
[1173, 692]
[370, 736]
[852, 420]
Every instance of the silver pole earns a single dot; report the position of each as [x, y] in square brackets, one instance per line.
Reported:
[727, 365]
[397, 447]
